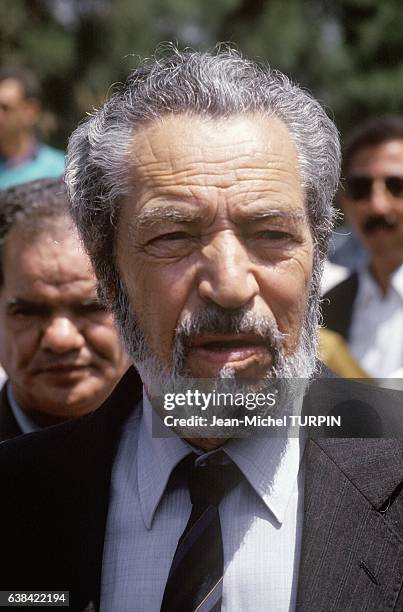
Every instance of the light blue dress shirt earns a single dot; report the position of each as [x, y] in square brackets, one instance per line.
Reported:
[261, 520]
[376, 330]
[46, 162]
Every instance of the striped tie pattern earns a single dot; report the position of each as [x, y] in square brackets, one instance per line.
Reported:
[196, 575]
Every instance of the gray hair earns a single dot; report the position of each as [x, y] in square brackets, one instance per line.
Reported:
[218, 84]
[31, 206]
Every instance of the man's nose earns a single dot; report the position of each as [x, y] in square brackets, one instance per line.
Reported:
[380, 199]
[227, 277]
[62, 335]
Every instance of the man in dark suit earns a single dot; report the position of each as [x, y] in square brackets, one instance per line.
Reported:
[210, 181]
[59, 346]
[367, 307]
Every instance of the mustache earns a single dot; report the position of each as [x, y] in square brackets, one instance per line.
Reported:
[375, 222]
[240, 321]
[54, 363]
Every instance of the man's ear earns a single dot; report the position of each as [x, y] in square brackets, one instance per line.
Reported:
[345, 207]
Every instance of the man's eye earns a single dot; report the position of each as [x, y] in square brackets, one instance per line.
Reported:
[171, 245]
[89, 309]
[274, 235]
[25, 311]
[171, 237]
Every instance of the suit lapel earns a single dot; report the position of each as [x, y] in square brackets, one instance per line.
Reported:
[9, 427]
[351, 547]
[337, 305]
[89, 504]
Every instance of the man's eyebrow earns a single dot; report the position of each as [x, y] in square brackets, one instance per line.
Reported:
[32, 303]
[148, 218]
[151, 216]
[25, 303]
[289, 214]
[92, 301]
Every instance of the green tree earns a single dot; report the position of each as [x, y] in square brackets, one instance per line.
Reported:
[348, 52]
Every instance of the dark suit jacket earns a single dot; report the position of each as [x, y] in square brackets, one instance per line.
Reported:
[9, 427]
[337, 306]
[54, 508]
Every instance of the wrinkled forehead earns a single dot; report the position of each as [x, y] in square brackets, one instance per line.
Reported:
[222, 152]
[38, 226]
[49, 243]
[252, 132]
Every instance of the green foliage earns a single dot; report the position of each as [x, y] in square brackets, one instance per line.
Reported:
[348, 52]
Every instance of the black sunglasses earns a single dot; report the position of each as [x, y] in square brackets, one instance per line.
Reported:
[360, 187]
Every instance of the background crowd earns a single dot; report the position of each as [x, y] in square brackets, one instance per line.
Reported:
[58, 58]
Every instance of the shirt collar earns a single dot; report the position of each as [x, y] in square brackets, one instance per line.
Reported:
[269, 464]
[26, 424]
[157, 457]
[396, 281]
[369, 288]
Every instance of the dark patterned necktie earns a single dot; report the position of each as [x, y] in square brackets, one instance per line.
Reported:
[196, 574]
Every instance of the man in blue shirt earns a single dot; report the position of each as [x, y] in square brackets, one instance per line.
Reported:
[22, 157]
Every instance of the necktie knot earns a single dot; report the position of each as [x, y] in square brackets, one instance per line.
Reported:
[209, 481]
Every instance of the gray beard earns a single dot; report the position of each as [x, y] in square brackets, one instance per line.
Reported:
[288, 377]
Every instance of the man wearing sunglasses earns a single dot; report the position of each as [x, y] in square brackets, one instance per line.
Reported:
[367, 308]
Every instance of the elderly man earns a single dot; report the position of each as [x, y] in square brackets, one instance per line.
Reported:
[367, 307]
[58, 345]
[202, 190]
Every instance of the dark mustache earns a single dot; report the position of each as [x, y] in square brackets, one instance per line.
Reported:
[375, 222]
[216, 319]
